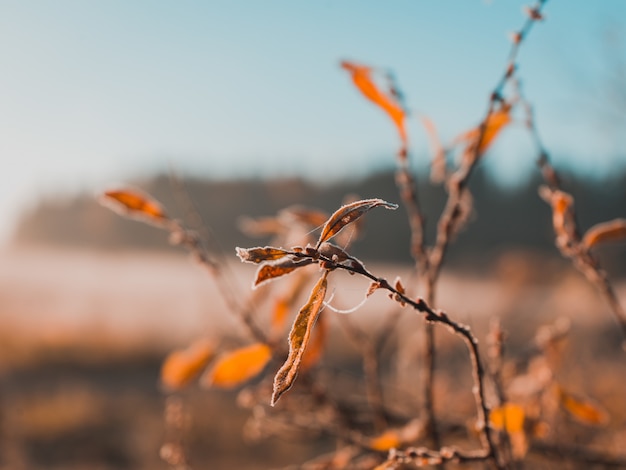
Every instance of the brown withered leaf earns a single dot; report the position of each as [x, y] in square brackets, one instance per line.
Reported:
[613, 230]
[259, 254]
[299, 337]
[348, 214]
[134, 203]
[182, 366]
[271, 271]
[236, 367]
[584, 410]
[362, 78]
[374, 286]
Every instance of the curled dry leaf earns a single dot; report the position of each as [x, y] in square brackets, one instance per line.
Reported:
[362, 78]
[271, 271]
[583, 410]
[299, 337]
[182, 366]
[236, 367]
[348, 214]
[613, 230]
[134, 203]
[260, 254]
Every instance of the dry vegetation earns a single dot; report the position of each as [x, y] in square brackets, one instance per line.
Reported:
[330, 362]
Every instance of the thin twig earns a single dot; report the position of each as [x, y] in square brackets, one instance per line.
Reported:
[356, 267]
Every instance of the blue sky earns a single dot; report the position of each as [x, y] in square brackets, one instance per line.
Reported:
[98, 92]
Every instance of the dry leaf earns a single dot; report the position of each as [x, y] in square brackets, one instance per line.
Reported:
[268, 272]
[315, 348]
[496, 121]
[283, 303]
[583, 409]
[613, 230]
[134, 203]
[348, 214]
[361, 76]
[236, 367]
[182, 366]
[509, 417]
[258, 254]
[374, 286]
[299, 338]
[562, 218]
[385, 441]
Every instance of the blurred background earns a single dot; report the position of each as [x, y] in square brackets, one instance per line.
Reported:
[241, 109]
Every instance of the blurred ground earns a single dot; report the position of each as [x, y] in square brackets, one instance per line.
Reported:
[83, 334]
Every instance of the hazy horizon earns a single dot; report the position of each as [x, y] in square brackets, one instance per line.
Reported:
[100, 93]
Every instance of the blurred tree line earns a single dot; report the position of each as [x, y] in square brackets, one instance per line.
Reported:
[504, 218]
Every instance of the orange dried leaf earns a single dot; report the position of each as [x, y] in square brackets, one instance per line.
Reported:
[283, 304]
[236, 367]
[315, 349]
[361, 77]
[268, 272]
[279, 314]
[134, 203]
[583, 410]
[258, 254]
[509, 417]
[496, 121]
[299, 337]
[562, 217]
[385, 441]
[613, 230]
[348, 214]
[182, 366]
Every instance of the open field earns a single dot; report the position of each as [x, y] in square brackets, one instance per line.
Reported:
[83, 334]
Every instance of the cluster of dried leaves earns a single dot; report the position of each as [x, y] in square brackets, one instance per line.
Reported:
[508, 423]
